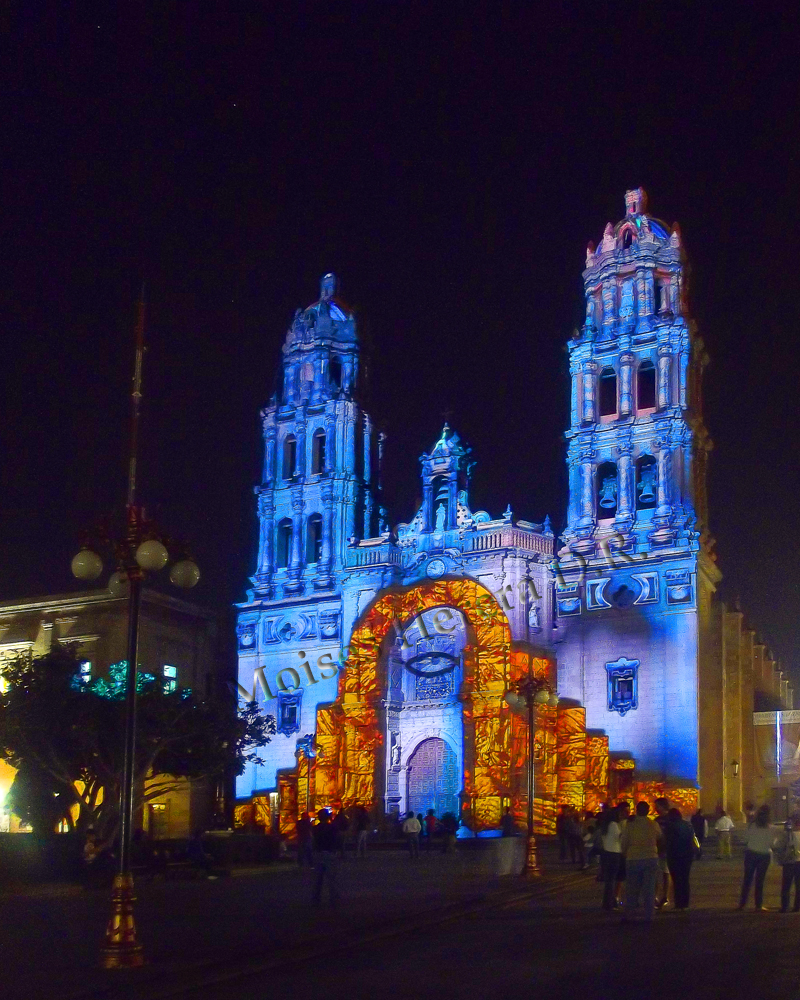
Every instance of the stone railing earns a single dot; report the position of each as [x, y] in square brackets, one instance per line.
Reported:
[373, 556]
[512, 538]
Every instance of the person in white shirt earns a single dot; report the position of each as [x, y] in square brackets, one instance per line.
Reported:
[411, 829]
[613, 860]
[724, 826]
[757, 856]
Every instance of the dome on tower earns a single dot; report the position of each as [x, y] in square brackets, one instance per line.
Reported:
[637, 227]
[329, 318]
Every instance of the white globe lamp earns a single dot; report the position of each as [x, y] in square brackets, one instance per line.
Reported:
[185, 574]
[87, 565]
[152, 555]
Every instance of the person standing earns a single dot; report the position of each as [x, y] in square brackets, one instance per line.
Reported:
[700, 827]
[757, 856]
[641, 842]
[362, 829]
[724, 828]
[507, 824]
[613, 861]
[411, 830]
[305, 841]
[562, 832]
[341, 825]
[681, 848]
[662, 811]
[787, 854]
[326, 846]
[430, 828]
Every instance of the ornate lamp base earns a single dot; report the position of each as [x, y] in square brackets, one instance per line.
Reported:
[121, 949]
[531, 869]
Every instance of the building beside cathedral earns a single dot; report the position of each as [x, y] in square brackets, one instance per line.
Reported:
[386, 655]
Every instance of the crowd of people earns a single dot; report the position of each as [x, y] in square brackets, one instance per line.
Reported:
[645, 864]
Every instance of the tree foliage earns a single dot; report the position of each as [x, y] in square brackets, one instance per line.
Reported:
[68, 735]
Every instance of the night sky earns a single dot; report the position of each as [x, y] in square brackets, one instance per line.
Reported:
[450, 167]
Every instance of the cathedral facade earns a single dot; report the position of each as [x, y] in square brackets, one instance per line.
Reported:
[386, 654]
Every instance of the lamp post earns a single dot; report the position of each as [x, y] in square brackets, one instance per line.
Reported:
[140, 551]
[522, 698]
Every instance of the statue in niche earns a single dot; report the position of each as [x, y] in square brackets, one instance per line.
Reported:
[590, 307]
[533, 617]
[608, 493]
[440, 517]
[395, 751]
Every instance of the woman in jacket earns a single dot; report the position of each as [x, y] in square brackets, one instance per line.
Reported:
[787, 854]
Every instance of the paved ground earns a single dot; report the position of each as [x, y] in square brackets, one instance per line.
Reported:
[440, 925]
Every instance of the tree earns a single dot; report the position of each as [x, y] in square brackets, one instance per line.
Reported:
[70, 733]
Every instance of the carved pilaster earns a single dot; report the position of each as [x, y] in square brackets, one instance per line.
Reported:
[266, 543]
[574, 370]
[270, 435]
[330, 444]
[589, 380]
[294, 584]
[324, 580]
[626, 384]
[664, 380]
[625, 478]
[609, 302]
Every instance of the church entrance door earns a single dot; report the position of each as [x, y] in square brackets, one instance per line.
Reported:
[433, 778]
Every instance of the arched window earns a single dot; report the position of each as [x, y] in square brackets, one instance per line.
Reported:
[314, 539]
[646, 482]
[627, 239]
[606, 491]
[283, 550]
[318, 452]
[289, 456]
[608, 392]
[646, 386]
[336, 373]
[658, 295]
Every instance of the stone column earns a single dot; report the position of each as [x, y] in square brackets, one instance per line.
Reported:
[452, 501]
[269, 452]
[427, 507]
[330, 444]
[589, 377]
[625, 481]
[575, 409]
[350, 439]
[663, 495]
[367, 448]
[300, 438]
[295, 584]
[586, 520]
[626, 384]
[266, 542]
[609, 302]
[323, 579]
[664, 380]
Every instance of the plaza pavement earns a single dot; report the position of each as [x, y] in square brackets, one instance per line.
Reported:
[440, 924]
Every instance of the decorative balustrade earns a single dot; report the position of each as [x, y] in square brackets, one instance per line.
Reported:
[373, 556]
[512, 538]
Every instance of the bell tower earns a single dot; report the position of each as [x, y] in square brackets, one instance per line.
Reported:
[637, 444]
[316, 488]
[635, 574]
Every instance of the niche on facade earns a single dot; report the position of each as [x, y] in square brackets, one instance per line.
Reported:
[289, 703]
[314, 539]
[646, 387]
[335, 372]
[283, 547]
[318, 452]
[441, 502]
[607, 487]
[608, 393]
[289, 456]
[646, 482]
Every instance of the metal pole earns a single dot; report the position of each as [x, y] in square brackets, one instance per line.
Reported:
[532, 868]
[121, 950]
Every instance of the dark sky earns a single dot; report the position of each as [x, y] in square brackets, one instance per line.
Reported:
[450, 163]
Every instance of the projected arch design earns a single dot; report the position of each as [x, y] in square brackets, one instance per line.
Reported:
[349, 732]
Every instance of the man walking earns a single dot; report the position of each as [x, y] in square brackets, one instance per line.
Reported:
[411, 829]
[305, 841]
[700, 827]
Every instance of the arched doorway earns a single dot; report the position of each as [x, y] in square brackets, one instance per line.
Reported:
[433, 778]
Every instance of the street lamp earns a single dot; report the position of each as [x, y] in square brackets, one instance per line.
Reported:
[139, 552]
[522, 698]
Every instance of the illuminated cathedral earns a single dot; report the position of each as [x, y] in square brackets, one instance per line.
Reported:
[386, 653]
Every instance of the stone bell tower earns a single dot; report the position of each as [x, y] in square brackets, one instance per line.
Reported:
[636, 571]
[316, 489]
